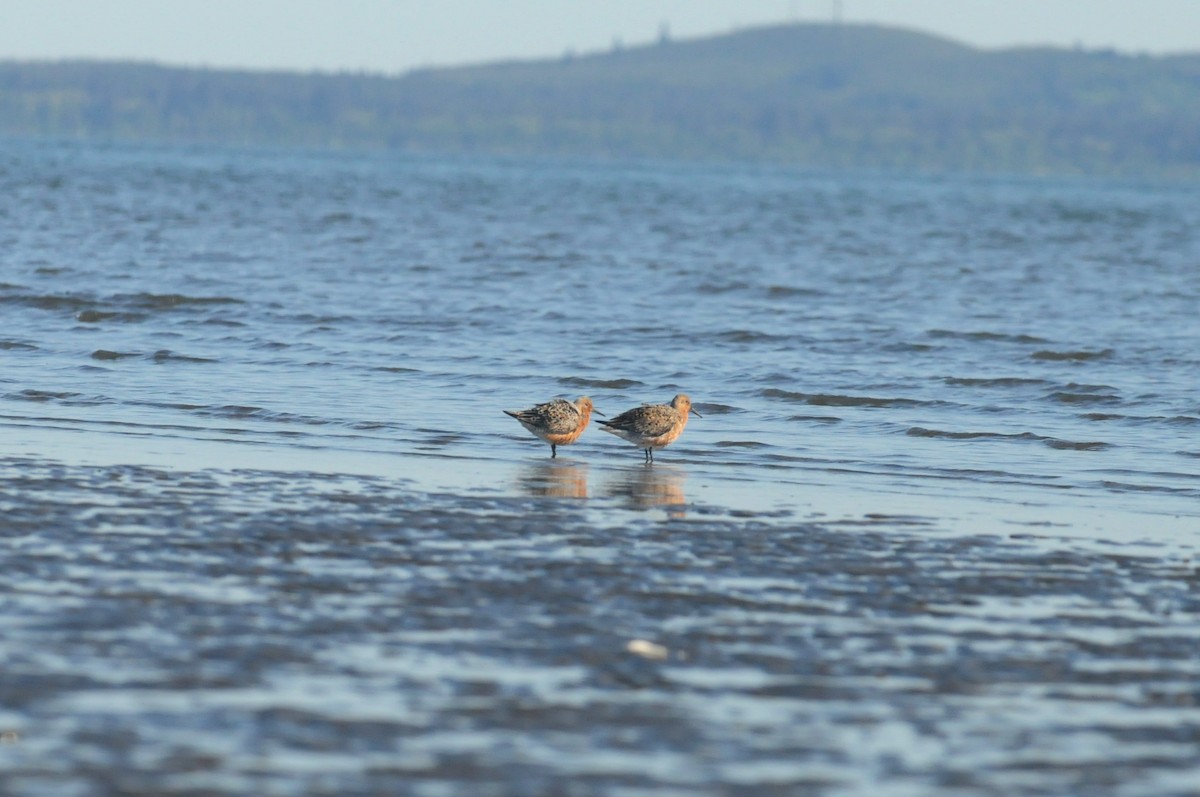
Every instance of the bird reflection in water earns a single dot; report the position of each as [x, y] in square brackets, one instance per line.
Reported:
[650, 488]
[555, 478]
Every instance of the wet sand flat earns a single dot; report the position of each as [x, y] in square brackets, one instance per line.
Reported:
[174, 632]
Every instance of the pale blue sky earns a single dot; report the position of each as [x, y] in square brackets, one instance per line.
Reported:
[396, 35]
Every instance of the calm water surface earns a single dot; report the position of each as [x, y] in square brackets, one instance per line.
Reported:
[267, 531]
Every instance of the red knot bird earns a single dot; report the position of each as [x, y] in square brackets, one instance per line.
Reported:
[558, 422]
[652, 426]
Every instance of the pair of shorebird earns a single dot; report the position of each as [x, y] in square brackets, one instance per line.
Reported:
[650, 426]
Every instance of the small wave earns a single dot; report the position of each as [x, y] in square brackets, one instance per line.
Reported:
[1183, 420]
[837, 400]
[999, 382]
[750, 336]
[1125, 487]
[165, 405]
[1052, 442]
[437, 441]
[105, 354]
[920, 431]
[166, 301]
[327, 321]
[909, 347]
[718, 409]
[50, 301]
[16, 345]
[815, 418]
[784, 460]
[66, 398]
[788, 292]
[42, 395]
[905, 520]
[168, 356]
[712, 288]
[603, 384]
[1067, 397]
[96, 316]
[231, 411]
[1071, 445]
[248, 412]
[1079, 387]
[741, 444]
[1081, 355]
[1027, 340]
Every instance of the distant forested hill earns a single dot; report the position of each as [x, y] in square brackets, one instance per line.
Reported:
[835, 96]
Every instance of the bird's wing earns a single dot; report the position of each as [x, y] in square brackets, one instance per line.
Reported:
[558, 416]
[656, 420]
[649, 420]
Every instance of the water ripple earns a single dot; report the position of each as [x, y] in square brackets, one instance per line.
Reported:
[839, 400]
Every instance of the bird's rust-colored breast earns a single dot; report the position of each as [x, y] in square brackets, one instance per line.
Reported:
[675, 421]
[561, 438]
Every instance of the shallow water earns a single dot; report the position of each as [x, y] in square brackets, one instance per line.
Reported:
[268, 531]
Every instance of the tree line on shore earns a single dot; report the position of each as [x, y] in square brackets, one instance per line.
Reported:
[822, 96]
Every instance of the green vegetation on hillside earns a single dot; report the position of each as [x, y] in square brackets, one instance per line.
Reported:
[833, 96]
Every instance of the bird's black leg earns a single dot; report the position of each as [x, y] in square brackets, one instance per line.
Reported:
[649, 454]
[553, 451]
